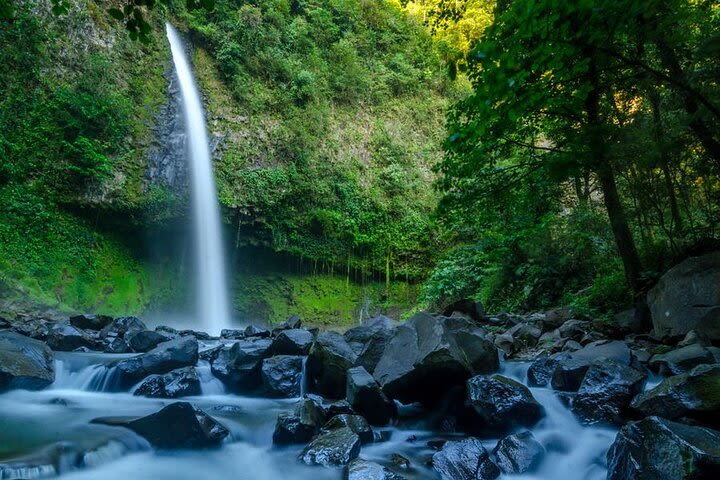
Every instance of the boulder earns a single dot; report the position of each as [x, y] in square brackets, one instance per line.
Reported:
[429, 355]
[542, 369]
[35, 328]
[470, 308]
[145, 340]
[90, 322]
[656, 448]
[64, 337]
[606, 392]
[574, 329]
[121, 326]
[506, 343]
[694, 337]
[232, 334]
[681, 360]
[168, 356]
[24, 362]
[282, 376]
[570, 371]
[332, 448]
[374, 349]
[255, 331]
[367, 398]
[694, 395]
[356, 423]
[300, 426]
[497, 404]
[627, 322]
[183, 382]
[358, 337]
[327, 364]
[687, 298]
[178, 425]
[519, 453]
[330, 408]
[525, 335]
[465, 460]
[239, 365]
[296, 341]
[360, 469]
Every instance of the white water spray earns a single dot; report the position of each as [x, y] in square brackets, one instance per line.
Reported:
[212, 289]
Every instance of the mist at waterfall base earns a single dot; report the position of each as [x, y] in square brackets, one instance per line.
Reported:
[213, 308]
[79, 394]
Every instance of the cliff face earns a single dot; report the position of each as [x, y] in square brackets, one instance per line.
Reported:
[325, 122]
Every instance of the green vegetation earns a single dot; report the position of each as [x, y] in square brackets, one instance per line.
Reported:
[574, 147]
[589, 147]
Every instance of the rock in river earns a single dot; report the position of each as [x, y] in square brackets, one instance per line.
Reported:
[179, 425]
[238, 366]
[429, 355]
[606, 392]
[183, 382]
[465, 460]
[24, 363]
[360, 469]
[178, 353]
[282, 376]
[497, 404]
[518, 453]
[327, 365]
[655, 449]
[695, 395]
[332, 448]
[367, 398]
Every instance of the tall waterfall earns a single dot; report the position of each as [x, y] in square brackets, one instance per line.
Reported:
[213, 306]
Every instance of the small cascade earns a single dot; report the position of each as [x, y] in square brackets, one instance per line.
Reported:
[209, 383]
[92, 378]
[304, 382]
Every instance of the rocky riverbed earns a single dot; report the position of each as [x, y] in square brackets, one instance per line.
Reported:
[454, 396]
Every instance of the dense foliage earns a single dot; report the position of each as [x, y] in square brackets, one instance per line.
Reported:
[589, 147]
[331, 117]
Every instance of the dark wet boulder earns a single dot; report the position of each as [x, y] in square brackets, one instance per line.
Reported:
[24, 362]
[571, 369]
[518, 453]
[465, 460]
[681, 360]
[694, 395]
[655, 448]
[470, 308]
[356, 423]
[238, 365]
[606, 392]
[441, 352]
[541, 370]
[300, 426]
[64, 337]
[360, 469]
[524, 335]
[35, 328]
[367, 398]
[90, 322]
[282, 376]
[332, 448]
[232, 334]
[574, 329]
[330, 408]
[295, 341]
[358, 336]
[687, 298]
[145, 340]
[496, 404]
[255, 331]
[327, 364]
[183, 382]
[168, 356]
[119, 327]
[179, 425]
[374, 349]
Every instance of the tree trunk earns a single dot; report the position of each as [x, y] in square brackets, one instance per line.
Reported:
[618, 221]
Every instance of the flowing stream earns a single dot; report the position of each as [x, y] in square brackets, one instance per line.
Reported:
[34, 420]
[212, 291]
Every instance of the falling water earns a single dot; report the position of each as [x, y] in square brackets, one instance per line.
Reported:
[212, 290]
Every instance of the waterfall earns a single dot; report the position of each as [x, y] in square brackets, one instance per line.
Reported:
[213, 306]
